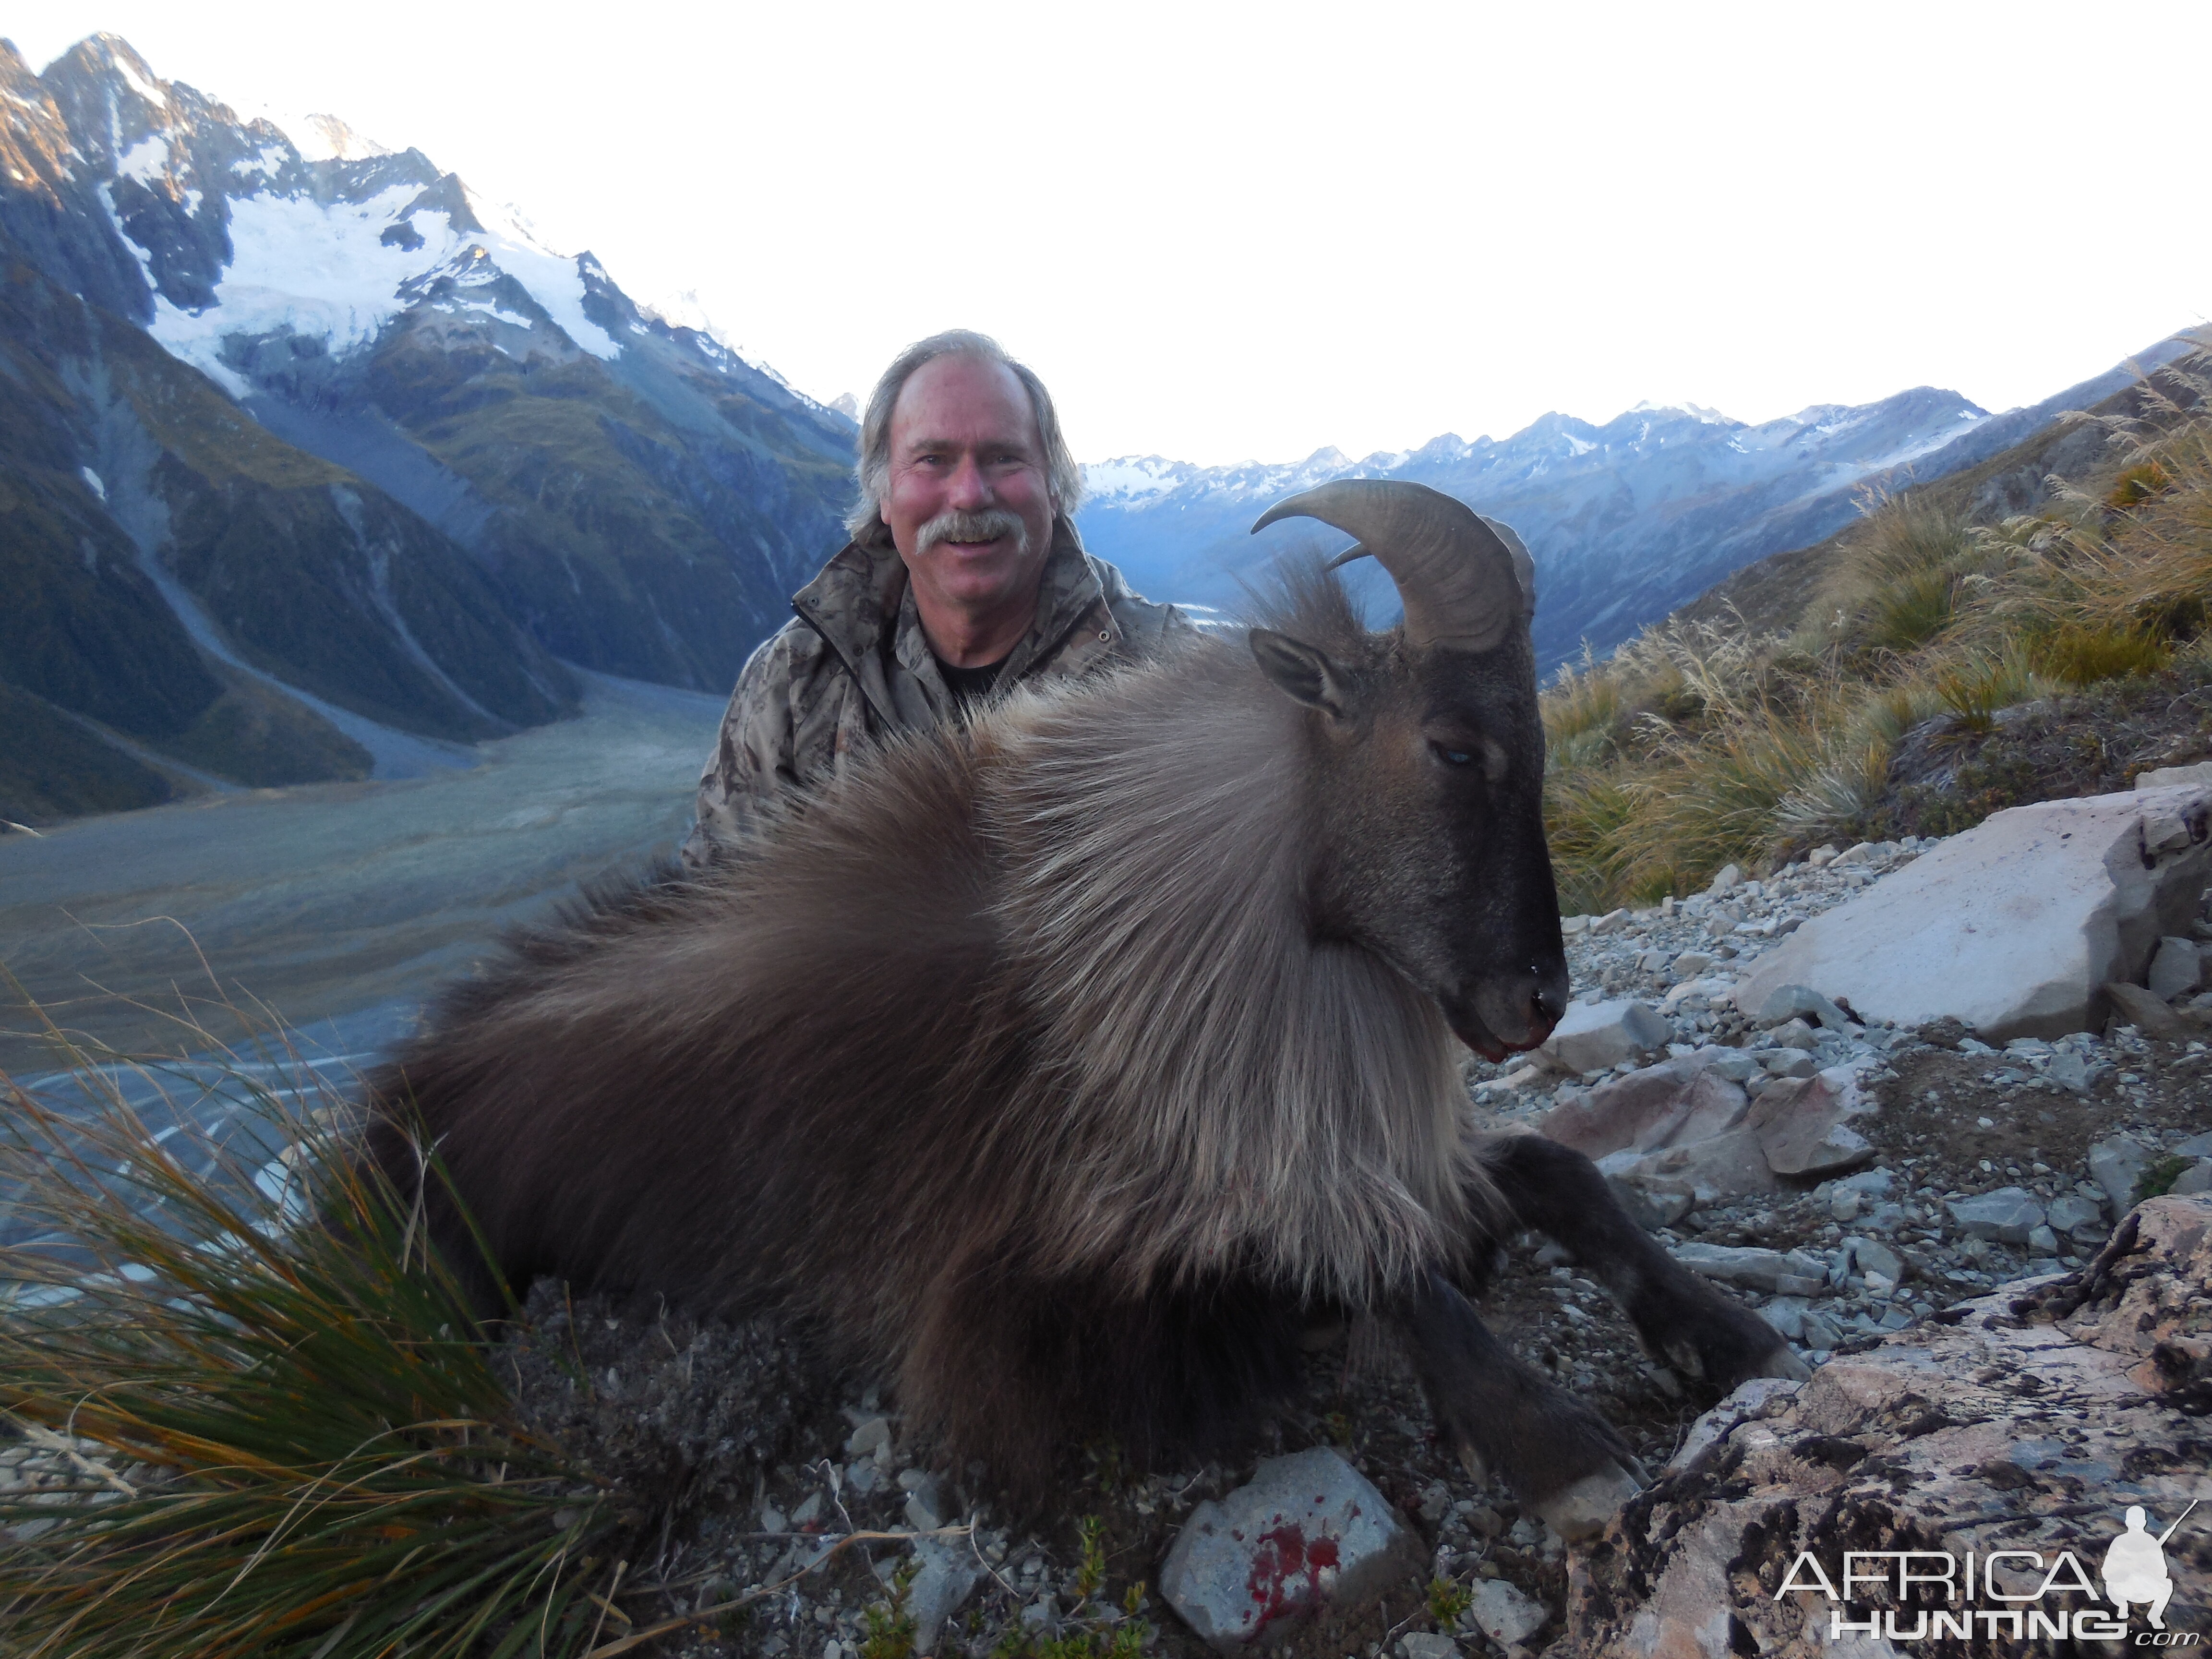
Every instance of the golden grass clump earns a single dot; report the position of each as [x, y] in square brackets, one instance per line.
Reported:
[270, 1424]
[1698, 744]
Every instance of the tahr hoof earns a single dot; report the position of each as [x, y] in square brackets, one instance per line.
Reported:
[1581, 1511]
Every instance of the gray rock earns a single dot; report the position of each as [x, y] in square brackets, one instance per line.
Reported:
[1867, 1183]
[1307, 1532]
[1800, 1124]
[1874, 1257]
[2133, 1005]
[947, 1575]
[925, 1507]
[2117, 1164]
[1504, 1614]
[1820, 1332]
[1721, 1166]
[2041, 1241]
[2072, 1212]
[1690, 964]
[869, 1438]
[2196, 1178]
[1791, 1001]
[1650, 1210]
[1787, 1315]
[1655, 1106]
[1750, 1265]
[2068, 1070]
[1595, 1035]
[1735, 1064]
[2194, 1147]
[1788, 1062]
[1946, 1445]
[2015, 926]
[1427, 1644]
[2006, 1215]
[2176, 968]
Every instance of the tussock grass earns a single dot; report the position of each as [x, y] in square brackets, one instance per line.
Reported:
[269, 1426]
[1699, 744]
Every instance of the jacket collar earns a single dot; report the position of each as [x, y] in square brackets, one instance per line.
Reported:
[861, 606]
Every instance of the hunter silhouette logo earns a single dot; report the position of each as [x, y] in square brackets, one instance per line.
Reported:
[1934, 1594]
[2134, 1567]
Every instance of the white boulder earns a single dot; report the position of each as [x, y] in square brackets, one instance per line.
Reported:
[1307, 1534]
[2014, 926]
[1594, 1036]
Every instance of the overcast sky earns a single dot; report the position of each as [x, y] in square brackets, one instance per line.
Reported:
[1225, 232]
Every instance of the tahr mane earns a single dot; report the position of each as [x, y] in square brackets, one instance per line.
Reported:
[1243, 1090]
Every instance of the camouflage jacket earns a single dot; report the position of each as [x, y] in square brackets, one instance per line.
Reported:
[855, 665]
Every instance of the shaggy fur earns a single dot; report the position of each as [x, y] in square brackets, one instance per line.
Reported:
[1014, 1063]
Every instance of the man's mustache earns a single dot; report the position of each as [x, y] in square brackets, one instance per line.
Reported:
[989, 525]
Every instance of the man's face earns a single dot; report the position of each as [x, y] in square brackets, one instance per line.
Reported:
[967, 500]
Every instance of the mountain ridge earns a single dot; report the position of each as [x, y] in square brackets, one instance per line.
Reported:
[366, 387]
[1626, 519]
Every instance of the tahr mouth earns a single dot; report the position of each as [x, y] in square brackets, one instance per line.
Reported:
[1472, 1030]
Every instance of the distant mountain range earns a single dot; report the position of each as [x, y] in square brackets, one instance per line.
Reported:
[1625, 521]
[314, 465]
[312, 460]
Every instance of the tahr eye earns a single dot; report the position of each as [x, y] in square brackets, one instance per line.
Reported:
[1454, 756]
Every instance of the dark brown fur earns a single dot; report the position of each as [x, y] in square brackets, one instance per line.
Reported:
[1062, 1066]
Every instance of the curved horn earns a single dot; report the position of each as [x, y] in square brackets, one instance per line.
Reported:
[1458, 578]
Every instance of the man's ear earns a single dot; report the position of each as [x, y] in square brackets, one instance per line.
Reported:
[1302, 672]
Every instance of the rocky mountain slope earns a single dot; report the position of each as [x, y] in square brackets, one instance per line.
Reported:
[311, 448]
[1626, 521]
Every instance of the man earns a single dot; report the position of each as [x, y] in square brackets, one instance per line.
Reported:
[964, 575]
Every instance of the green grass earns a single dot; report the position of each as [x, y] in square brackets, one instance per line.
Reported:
[272, 1435]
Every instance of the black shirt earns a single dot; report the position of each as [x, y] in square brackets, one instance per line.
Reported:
[969, 686]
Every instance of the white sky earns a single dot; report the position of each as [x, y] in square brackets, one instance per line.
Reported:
[1222, 232]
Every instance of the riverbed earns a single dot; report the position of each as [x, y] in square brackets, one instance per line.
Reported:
[331, 910]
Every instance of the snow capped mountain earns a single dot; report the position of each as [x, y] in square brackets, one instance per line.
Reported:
[644, 494]
[341, 455]
[1626, 520]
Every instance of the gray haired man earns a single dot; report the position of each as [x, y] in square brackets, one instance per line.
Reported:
[964, 575]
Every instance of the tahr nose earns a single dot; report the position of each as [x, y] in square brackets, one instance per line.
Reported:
[1548, 1001]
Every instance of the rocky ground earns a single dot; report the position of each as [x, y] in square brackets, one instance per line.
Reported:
[1989, 1167]
[755, 1482]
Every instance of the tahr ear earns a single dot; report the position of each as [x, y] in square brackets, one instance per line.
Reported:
[1302, 672]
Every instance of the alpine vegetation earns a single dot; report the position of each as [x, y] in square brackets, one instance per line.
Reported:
[250, 1435]
[1064, 1068]
[1942, 669]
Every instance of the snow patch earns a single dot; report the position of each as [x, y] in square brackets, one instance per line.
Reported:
[299, 266]
[147, 90]
[318, 138]
[266, 162]
[555, 281]
[93, 481]
[147, 160]
[1131, 477]
[683, 309]
[1705, 416]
